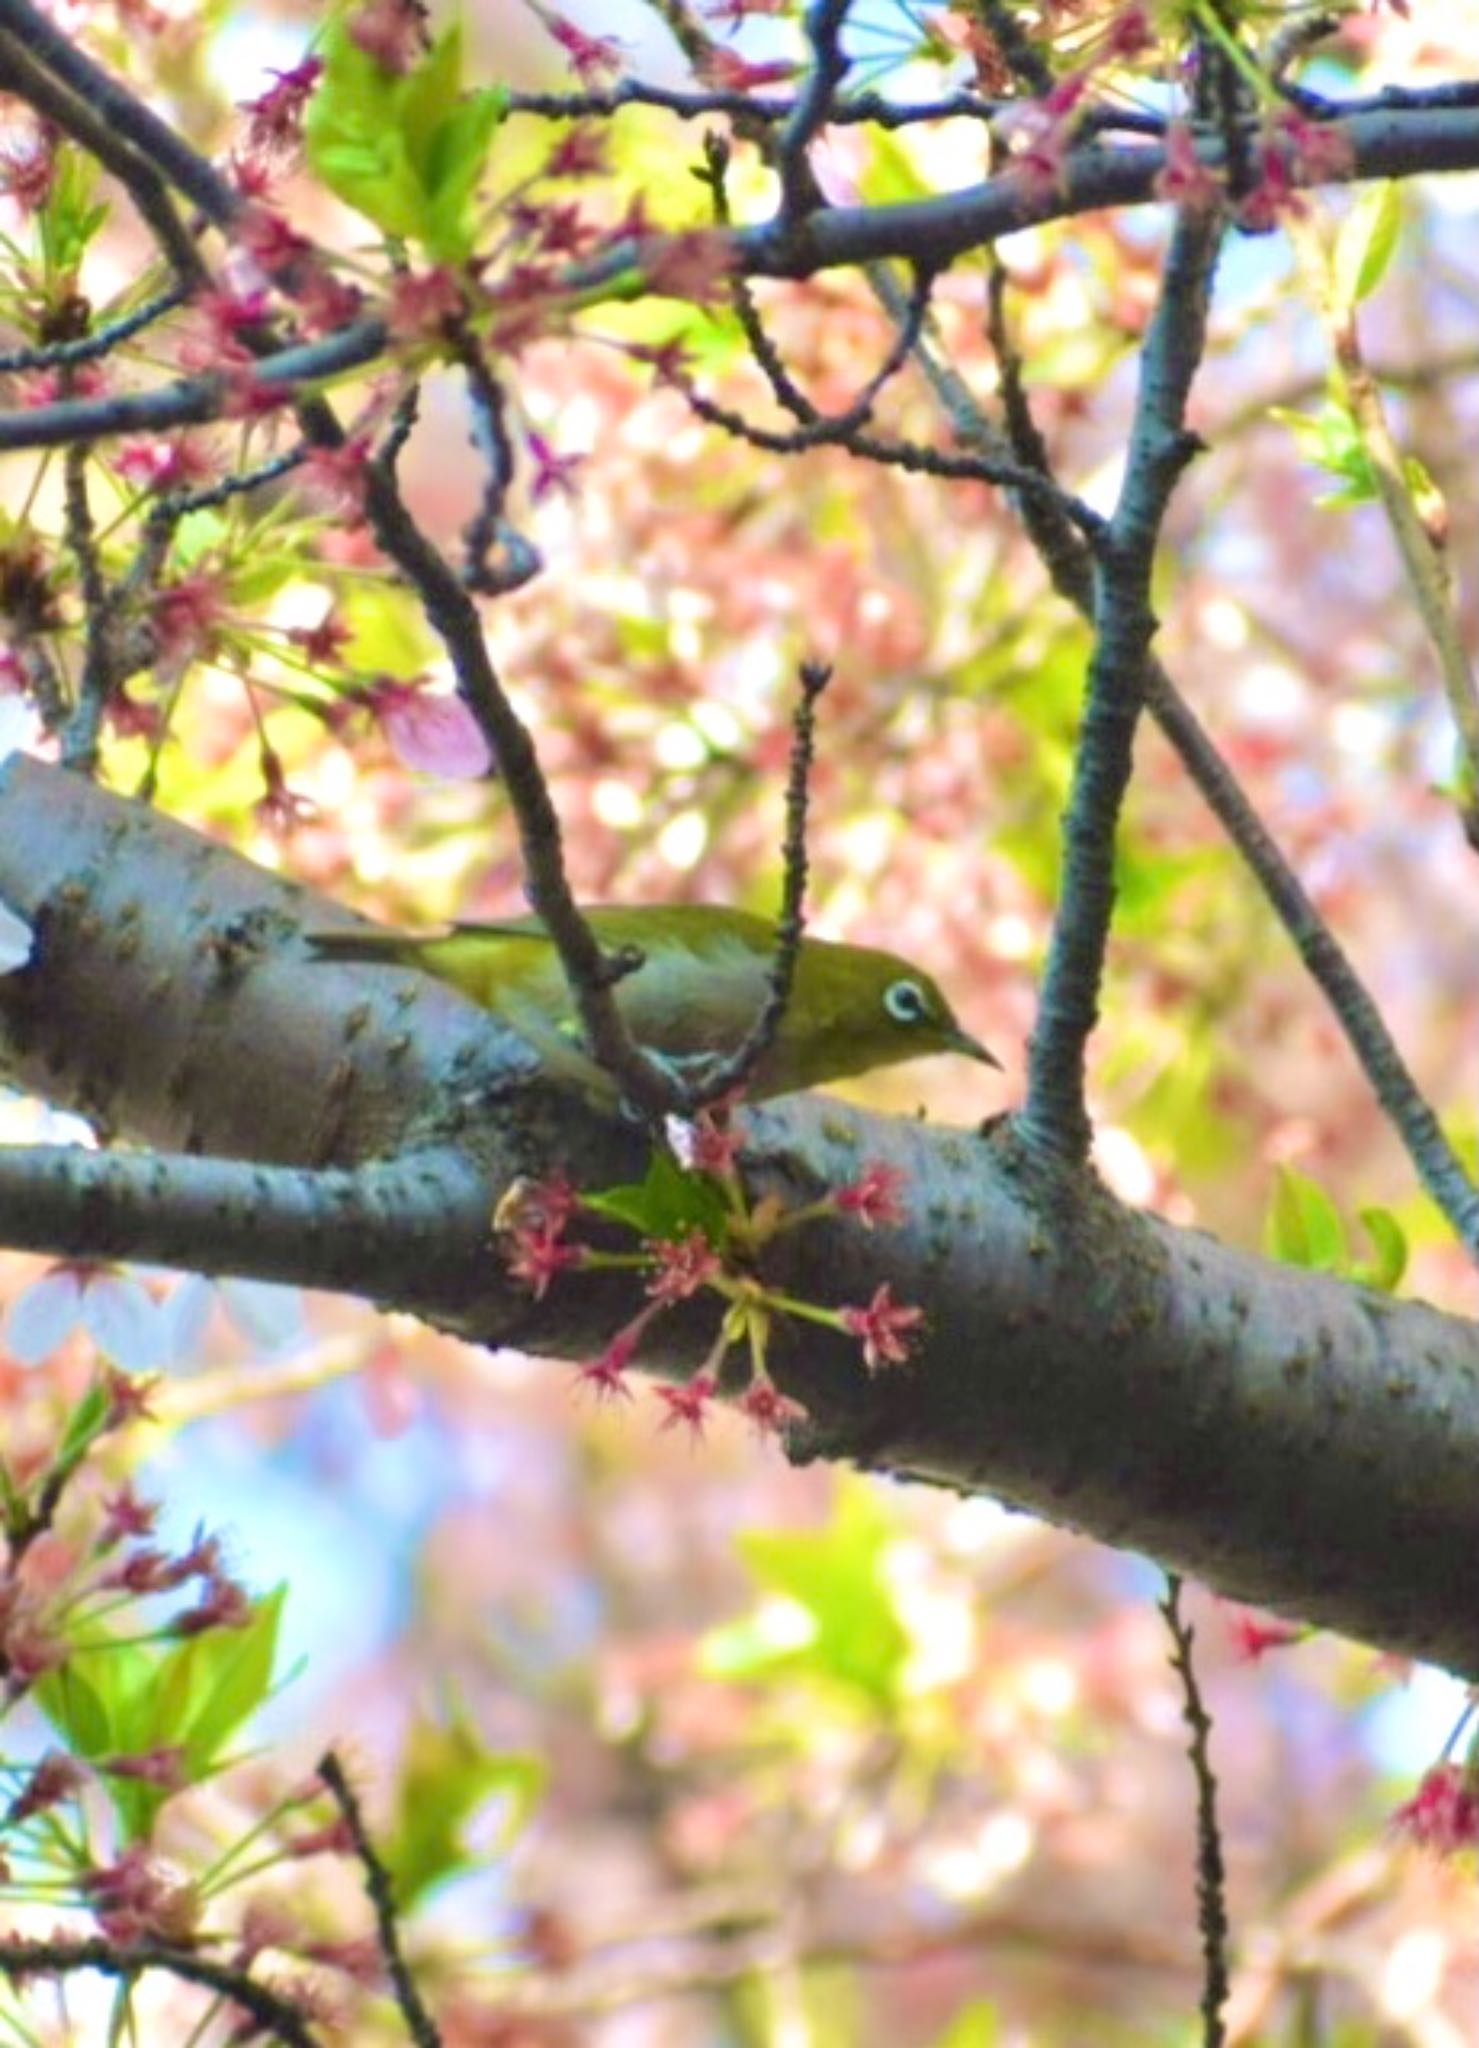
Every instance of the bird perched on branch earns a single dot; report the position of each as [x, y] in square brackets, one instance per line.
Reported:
[703, 980]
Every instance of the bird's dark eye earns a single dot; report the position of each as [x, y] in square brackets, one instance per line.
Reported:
[907, 1003]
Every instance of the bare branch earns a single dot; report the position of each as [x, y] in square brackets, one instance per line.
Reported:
[1357, 1015]
[269, 2009]
[1055, 1118]
[732, 1072]
[102, 340]
[824, 22]
[1211, 1870]
[419, 2023]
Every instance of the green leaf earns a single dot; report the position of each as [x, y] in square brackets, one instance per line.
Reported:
[667, 1203]
[446, 1774]
[447, 136]
[226, 1680]
[70, 218]
[76, 1708]
[353, 140]
[1331, 440]
[845, 1628]
[267, 572]
[387, 630]
[406, 150]
[1368, 237]
[85, 1425]
[123, 1698]
[1303, 1226]
[890, 173]
[1390, 1239]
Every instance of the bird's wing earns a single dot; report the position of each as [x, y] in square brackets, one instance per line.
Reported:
[688, 1000]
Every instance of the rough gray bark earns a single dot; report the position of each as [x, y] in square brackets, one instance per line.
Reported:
[1288, 1438]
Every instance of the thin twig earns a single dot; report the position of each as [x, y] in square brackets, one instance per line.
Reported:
[177, 505]
[735, 1069]
[497, 557]
[1424, 562]
[20, 1959]
[646, 1084]
[824, 25]
[964, 467]
[815, 426]
[101, 340]
[191, 401]
[847, 110]
[1212, 1918]
[685, 27]
[1359, 1018]
[419, 2023]
[784, 389]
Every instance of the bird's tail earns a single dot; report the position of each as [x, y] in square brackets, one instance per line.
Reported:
[370, 944]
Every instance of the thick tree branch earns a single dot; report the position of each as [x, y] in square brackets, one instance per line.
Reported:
[1289, 1438]
[824, 21]
[1394, 136]
[1384, 143]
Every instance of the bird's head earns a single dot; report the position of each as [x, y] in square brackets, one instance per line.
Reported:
[856, 1007]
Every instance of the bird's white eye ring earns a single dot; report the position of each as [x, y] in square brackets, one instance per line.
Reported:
[907, 1003]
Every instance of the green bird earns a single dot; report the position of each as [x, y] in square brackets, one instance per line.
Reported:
[703, 981]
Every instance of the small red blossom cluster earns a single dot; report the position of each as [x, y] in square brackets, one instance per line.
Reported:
[143, 1896]
[391, 32]
[875, 1197]
[1041, 132]
[280, 809]
[1443, 1814]
[594, 59]
[534, 1218]
[53, 1580]
[733, 12]
[275, 124]
[1292, 151]
[534, 1215]
[56, 1587]
[28, 166]
[167, 462]
[728, 71]
[883, 1328]
[188, 618]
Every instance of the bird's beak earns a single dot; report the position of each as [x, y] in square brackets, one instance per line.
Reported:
[961, 1041]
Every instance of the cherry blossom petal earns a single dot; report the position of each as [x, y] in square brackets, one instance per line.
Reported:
[437, 735]
[43, 1315]
[123, 1320]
